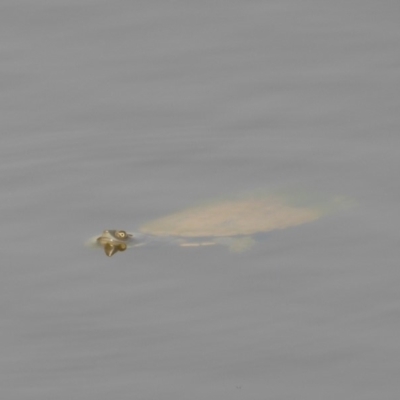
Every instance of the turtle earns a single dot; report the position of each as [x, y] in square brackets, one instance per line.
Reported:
[234, 223]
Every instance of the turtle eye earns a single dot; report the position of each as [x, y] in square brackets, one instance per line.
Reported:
[121, 234]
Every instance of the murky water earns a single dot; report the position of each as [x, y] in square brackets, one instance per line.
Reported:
[114, 113]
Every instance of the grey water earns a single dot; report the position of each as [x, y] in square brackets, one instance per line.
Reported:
[115, 113]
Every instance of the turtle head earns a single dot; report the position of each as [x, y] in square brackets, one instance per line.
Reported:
[113, 241]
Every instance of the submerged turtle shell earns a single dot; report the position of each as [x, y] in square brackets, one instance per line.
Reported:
[232, 218]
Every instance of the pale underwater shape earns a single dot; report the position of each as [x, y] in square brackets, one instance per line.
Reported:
[245, 216]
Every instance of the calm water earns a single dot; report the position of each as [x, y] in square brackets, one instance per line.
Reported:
[114, 113]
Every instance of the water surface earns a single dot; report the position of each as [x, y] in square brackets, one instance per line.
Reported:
[117, 113]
